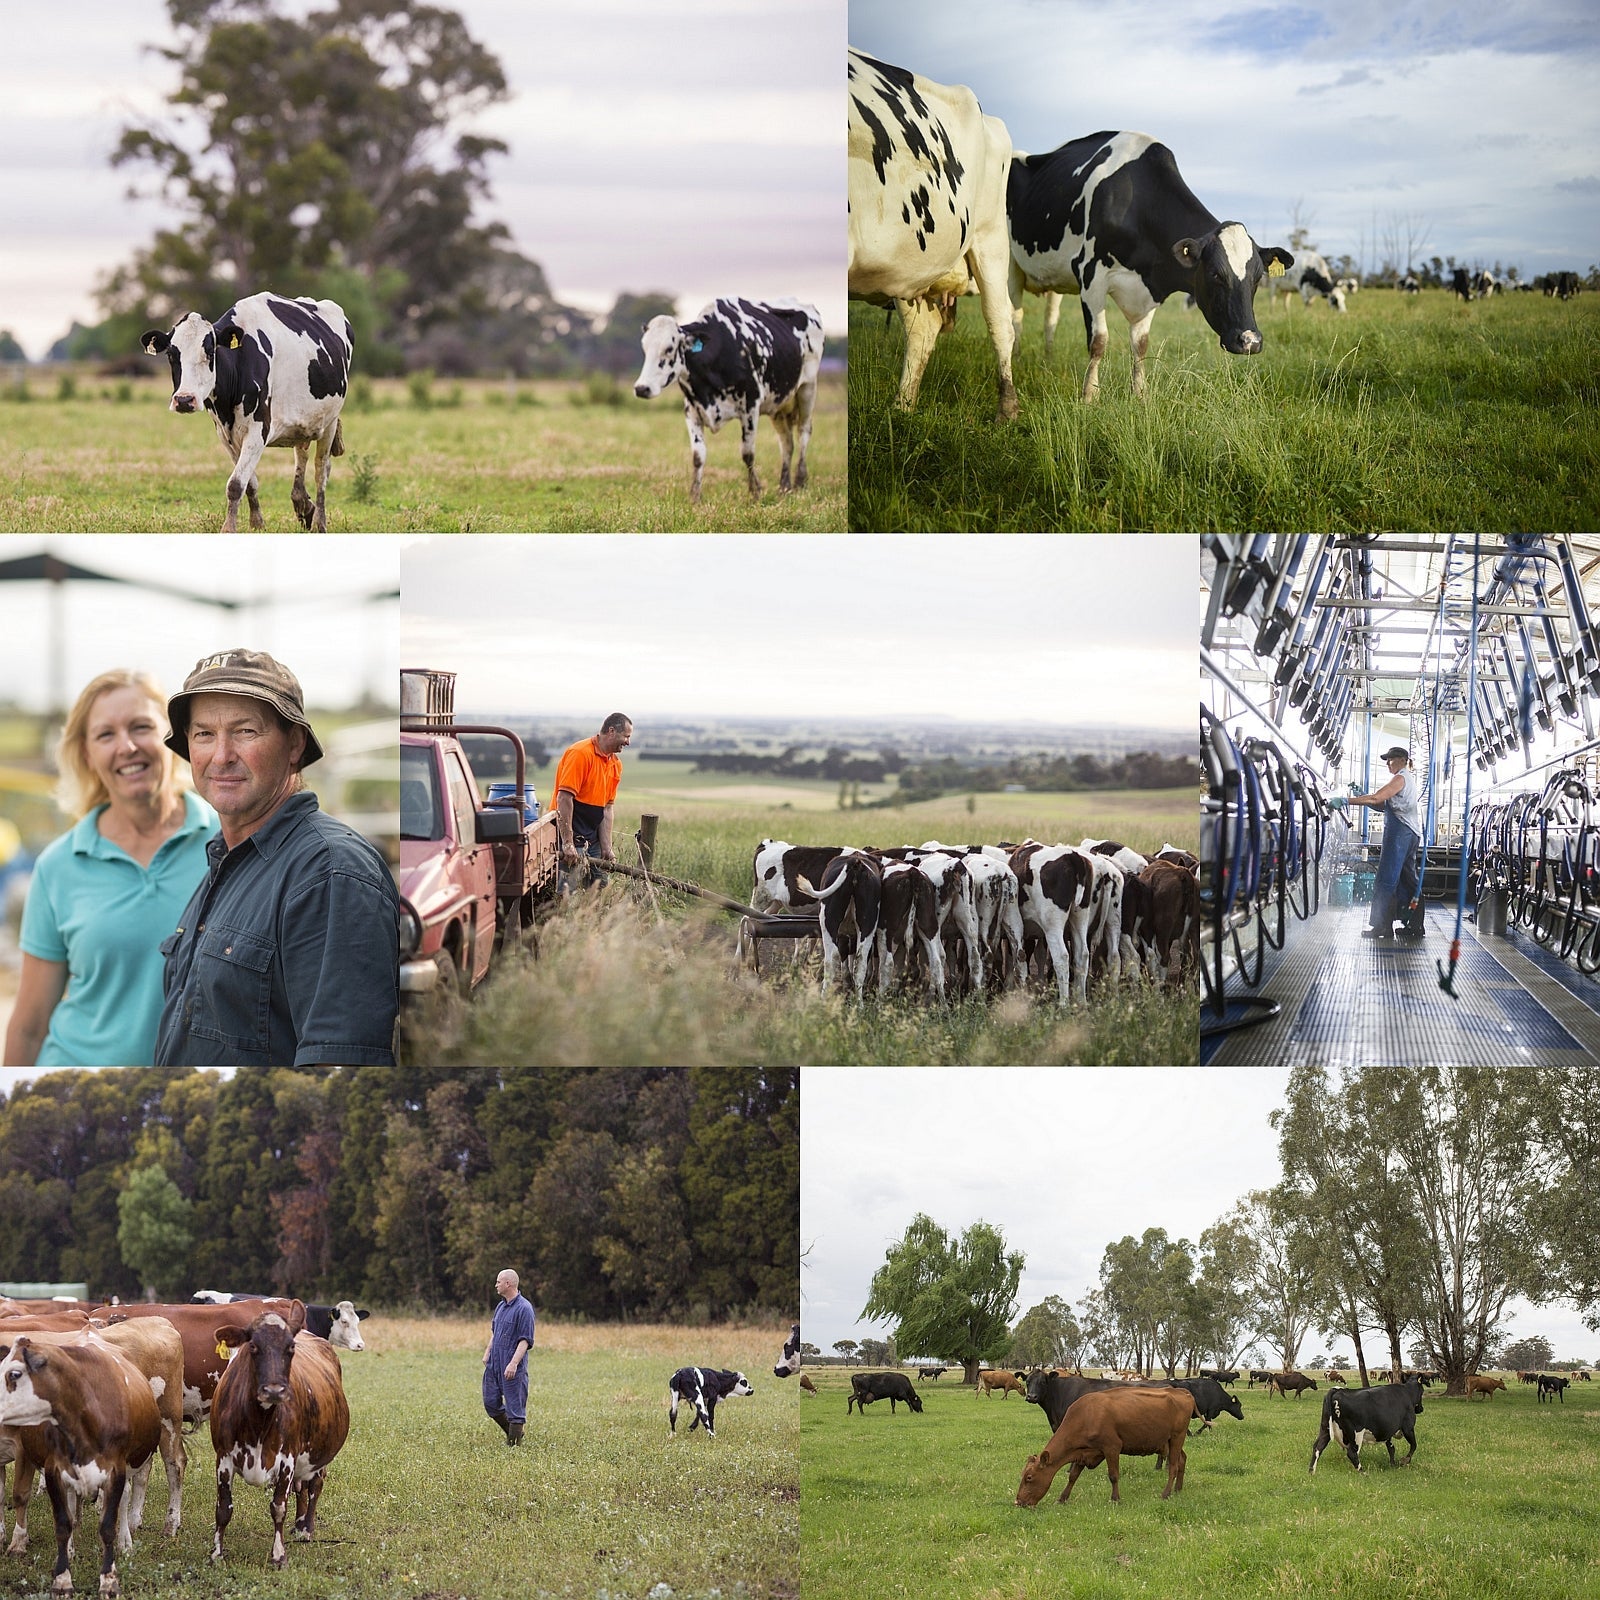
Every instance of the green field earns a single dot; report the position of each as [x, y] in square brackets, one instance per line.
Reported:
[569, 457]
[1500, 1503]
[622, 980]
[1412, 412]
[426, 1500]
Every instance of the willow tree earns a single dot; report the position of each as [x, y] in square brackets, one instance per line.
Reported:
[952, 1299]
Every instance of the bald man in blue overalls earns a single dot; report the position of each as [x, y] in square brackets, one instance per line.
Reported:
[505, 1360]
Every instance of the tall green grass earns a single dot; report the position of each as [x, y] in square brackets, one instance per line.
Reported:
[426, 1500]
[1408, 412]
[1499, 1505]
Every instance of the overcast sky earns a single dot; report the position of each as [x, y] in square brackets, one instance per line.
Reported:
[1059, 630]
[1064, 1161]
[313, 612]
[695, 147]
[1480, 118]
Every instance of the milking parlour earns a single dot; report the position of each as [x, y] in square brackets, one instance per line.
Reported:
[1400, 823]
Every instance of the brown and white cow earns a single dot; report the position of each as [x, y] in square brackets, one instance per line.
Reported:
[1105, 1426]
[908, 925]
[1174, 915]
[82, 1414]
[278, 1418]
[847, 897]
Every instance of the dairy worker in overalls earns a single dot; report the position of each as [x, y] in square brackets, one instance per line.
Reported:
[1396, 883]
[505, 1360]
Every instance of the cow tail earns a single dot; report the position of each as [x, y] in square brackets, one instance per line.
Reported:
[337, 447]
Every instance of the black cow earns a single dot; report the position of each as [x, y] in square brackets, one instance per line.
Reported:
[271, 372]
[865, 1387]
[924, 1373]
[1110, 217]
[702, 1387]
[1221, 1374]
[1354, 1416]
[1552, 1388]
[1210, 1400]
[1053, 1393]
[737, 361]
[1461, 283]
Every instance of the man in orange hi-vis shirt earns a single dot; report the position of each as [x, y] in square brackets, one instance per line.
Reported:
[586, 783]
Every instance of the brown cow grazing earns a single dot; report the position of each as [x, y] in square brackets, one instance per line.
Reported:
[278, 1418]
[1105, 1426]
[807, 1384]
[1334, 1375]
[1005, 1382]
[84, 1415]
[1295, 1383]
[1484, 1386]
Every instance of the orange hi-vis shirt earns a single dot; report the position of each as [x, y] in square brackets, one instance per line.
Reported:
[592, 777]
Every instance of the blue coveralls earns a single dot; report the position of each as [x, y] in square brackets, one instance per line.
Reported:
[502, 1396]
[1396, 882]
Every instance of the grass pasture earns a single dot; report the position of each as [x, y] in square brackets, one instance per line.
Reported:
[426, 1500]
[1499, 1506]
[478, 457]
[614, 983]
[1411, 412]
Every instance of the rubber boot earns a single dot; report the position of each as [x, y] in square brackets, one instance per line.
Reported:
[498, 1418]
[514, 1433]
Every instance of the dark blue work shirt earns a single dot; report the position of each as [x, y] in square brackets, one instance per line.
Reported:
[288, 953]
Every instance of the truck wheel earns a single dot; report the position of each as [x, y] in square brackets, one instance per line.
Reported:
[453, 982]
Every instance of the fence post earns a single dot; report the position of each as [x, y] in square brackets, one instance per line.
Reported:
[647, 837]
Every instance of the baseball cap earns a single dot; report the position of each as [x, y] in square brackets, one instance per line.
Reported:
[1398, 750]
[251, 673]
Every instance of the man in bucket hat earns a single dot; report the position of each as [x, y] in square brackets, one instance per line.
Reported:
[287, 955]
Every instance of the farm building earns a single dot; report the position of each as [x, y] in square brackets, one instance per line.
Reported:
[1400, 834]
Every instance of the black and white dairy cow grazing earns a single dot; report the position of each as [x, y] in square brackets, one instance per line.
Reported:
[271, 372]
[737, 361]
[1110, 217]
[927, 199]
[1312, 276]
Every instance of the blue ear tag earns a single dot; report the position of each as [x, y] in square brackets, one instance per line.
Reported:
[697, 346]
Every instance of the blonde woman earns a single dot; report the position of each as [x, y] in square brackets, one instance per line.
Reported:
[109, 890]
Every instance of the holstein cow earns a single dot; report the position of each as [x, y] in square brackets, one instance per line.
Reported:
[1484, 1386]
[278, 1419]
[865, 1387]
[85, 1416]
[1410, 284]
[788, 1363]
[1109, 217]
[1005, 1382]
[1353, 1417]
[702, 1387]
[1552, 1388]
[271, 372]
[1056, 889]
[848, 916]
[908, 926]
[1311, 276]
[1107, 1426]
[927, 202]
[740, 360]
[778, 866]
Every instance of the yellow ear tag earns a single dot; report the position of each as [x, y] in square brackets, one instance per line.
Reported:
[223, 1351]
[1274, 270]
[234, 340]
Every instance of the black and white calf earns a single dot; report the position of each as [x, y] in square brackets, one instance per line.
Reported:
[737, 361]
[789, 1362]
[271, 372]
[1110, 217]
[1312, 276]
[702, 1387]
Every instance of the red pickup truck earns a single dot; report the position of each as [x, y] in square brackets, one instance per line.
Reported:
[471, 869]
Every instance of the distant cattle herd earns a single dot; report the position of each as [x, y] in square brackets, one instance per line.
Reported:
[958, 919]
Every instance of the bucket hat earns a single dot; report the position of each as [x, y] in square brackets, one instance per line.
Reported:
[251, 673]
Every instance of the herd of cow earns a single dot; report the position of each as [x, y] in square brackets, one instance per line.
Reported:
[90, 1395]
[1103, 1419]
[976, 918]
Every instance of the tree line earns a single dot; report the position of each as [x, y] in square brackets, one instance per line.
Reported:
[628, 1193]
[1412, 1207]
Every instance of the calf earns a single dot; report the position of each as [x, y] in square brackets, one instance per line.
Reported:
[83, 1414]
[1110, 217]
[778, 868]
[908, 925]
[1107, 1426]
[1484, 1386]
[865, 1387]
[847, 914]
[740, 360]
[788, 1363]
[1173, 898]
[1056, 890]
[1552, 1388]
[271, 372]
[278, 1419]
[927, 210]
[702, 1387]
[1353, 1417]
[1005, 1382]
[1295, 1383]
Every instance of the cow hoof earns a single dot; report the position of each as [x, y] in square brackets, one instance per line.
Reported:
[19, 1543]
[61, 1583]
[109, 1587]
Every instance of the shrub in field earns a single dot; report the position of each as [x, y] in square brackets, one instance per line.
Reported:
[124, 392]
[420, 387]
[364, 479]
[67, 387]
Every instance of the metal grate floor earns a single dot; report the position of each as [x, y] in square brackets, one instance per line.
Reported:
[1346, 1001]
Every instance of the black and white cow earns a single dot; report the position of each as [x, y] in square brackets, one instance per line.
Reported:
[847, 913]
[737, 361]
[1485, 284]
[1353, 1417]
[1312, 276]
[927, 199]
[1461, 283]
[789, 1362]
[1410, 284]
[1553, 1388]
[778, 866]
[271, 372]
[702, 1387]
[1110, 217]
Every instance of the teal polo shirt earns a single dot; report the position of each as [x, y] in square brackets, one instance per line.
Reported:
[93, 907]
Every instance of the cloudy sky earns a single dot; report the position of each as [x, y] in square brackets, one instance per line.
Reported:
[1062, 1160]
[1478, 118]
[311, 609]
[1017, 628]
[694, 147]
